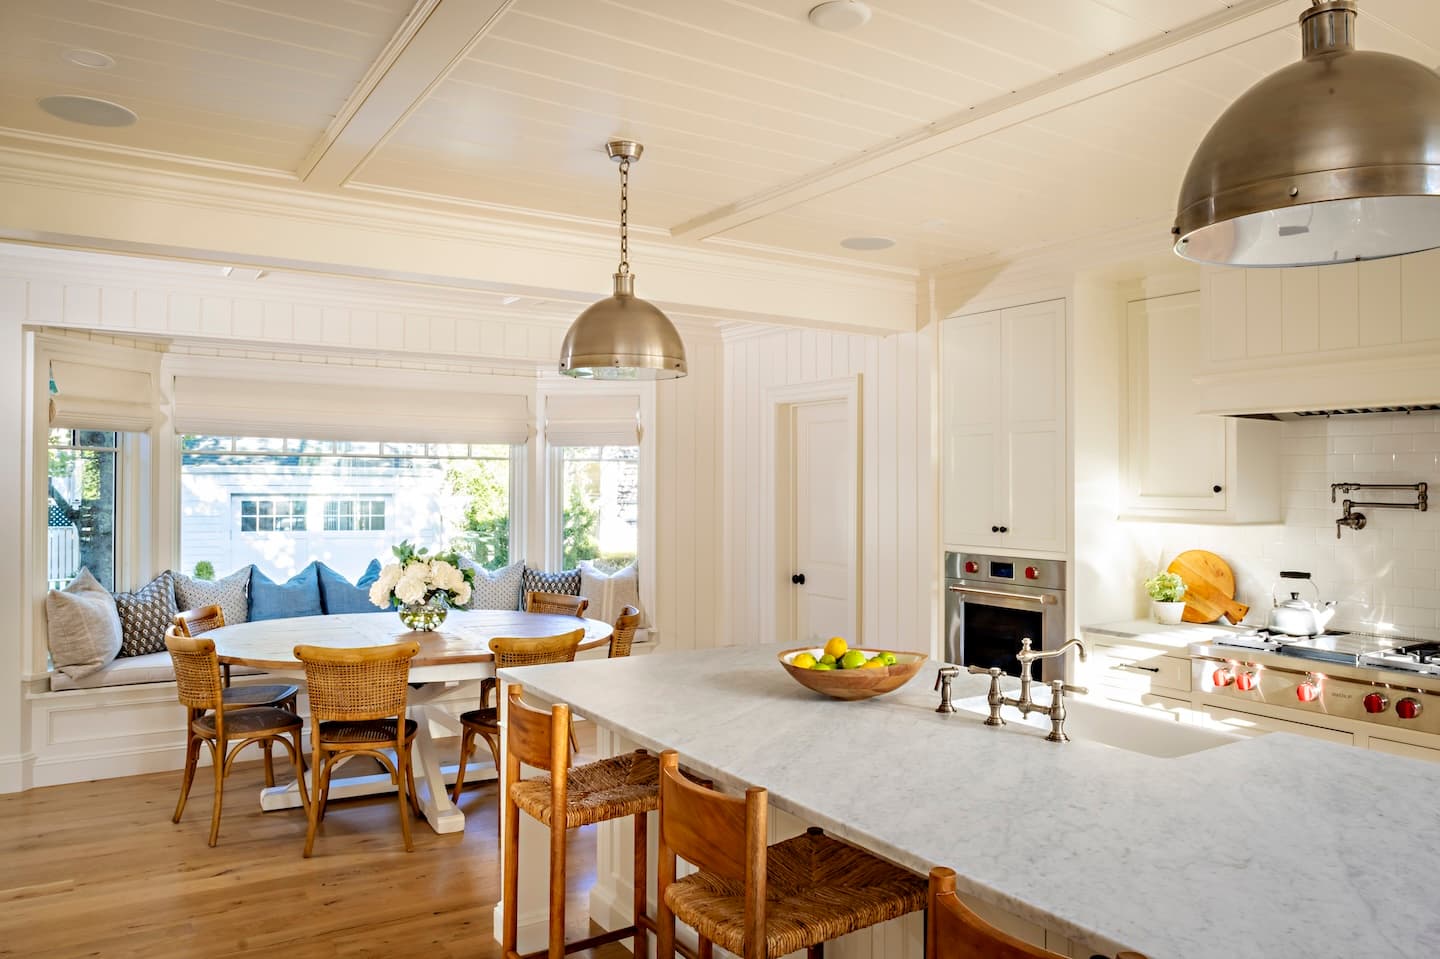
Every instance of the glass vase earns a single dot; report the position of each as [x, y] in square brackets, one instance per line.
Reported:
[426, 616]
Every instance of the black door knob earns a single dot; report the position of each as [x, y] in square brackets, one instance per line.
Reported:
[798, 579]
[1217, 487]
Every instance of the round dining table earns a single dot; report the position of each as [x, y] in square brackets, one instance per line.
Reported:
[458, 651]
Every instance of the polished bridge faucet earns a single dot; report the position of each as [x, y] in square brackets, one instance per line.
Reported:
[1058, 688]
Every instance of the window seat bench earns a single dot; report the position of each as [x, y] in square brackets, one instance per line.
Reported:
[132, 671]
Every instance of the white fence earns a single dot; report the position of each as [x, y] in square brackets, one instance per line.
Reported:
[64, 553]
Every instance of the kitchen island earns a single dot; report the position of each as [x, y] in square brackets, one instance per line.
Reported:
[1267, 847]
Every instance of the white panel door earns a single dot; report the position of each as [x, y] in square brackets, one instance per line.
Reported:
[1033, 371]
[973, 470]
[821, 503]
[1176, 458]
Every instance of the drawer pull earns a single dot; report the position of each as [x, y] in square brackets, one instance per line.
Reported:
[1147, 669]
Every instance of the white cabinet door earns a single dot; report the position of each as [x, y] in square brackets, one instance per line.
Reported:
[1237, 722]
[973, 448]
[1396, 748]
[1179, 463]
[1034, 375]
[1003, 414]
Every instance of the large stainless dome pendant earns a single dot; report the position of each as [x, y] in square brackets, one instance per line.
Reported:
[1331, 159]
[623, 337]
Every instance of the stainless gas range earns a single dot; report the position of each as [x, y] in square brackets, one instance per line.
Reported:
[1363, 677]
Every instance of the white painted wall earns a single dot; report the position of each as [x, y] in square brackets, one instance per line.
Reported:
[899, 527]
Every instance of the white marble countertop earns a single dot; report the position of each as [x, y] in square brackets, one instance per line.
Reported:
[1145, 632]
[1278, 845]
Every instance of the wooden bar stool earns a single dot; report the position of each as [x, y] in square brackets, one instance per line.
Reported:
[952, 931]
[762, 901]
[563, 799]
[202, 619]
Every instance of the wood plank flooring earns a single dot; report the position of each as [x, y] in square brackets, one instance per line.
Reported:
[98, 870]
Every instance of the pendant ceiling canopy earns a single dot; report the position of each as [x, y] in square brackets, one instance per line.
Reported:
[623, 337]
[1331, 159]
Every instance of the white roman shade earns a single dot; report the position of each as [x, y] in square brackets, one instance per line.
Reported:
[236, 407]
[594, 420]
[90, 397]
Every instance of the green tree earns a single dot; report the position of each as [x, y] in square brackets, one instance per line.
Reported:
[580, 530]
[485, 530]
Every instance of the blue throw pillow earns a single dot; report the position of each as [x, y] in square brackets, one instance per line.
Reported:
[297, 596]
[339, 596]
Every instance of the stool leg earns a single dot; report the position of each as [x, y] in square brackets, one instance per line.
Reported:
[641, 881]
[510, 888]
[557, 884]
[706, 950]
[816, 951]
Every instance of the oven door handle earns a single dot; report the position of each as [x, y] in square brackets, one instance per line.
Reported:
[1043, 599]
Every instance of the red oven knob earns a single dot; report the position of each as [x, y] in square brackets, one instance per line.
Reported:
[1031, 572]
[971, 566]
[1247, 681]
[1308, 691]
[1408, 708]
[1223, 676]
[1376, 703]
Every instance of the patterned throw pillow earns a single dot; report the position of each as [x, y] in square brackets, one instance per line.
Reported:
[145, 614]
[231, 594]
[610, 593]
[497, 590]
[538, 581]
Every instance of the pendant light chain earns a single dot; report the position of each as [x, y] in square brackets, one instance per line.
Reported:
[624, 216]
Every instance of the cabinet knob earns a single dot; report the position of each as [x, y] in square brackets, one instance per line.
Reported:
[798, 579]
[994, 529]
[1217, 488]
[1004, 529]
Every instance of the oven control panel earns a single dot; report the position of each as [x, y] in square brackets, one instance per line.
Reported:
[1007, 570]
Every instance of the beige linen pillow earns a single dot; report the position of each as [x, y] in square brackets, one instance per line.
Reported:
[610, 594]
[83, 627]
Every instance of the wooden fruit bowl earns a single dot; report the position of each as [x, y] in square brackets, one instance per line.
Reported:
[853, 683]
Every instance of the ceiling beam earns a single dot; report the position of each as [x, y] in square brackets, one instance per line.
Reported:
[434, 39]
[1209, 35]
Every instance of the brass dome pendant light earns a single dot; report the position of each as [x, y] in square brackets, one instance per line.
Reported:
[623, 337]
[1331, 159]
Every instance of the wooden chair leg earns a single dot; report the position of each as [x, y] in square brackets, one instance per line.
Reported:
[217, 751]
[319, 771]
[466, 745]
[297, 758]
[640, 882]
[266, 749]
[402, 790]
[192, 759]
[510, 885]
[410, 781]
[557, 887]
[706, 950]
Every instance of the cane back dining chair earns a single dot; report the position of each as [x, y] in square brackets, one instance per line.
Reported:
[357, 707]
[624, 635]
[566, 798]
[212, 722]
[761, 901]
[202, 619]
[952, 931]
[560, 603]
[485, 721]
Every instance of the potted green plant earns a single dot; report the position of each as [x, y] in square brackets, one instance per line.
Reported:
[1167, 597]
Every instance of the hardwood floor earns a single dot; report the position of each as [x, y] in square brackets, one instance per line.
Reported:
[98, 870]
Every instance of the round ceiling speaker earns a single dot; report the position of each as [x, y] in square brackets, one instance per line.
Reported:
[838, 15]
[91, 111]
[867, 243]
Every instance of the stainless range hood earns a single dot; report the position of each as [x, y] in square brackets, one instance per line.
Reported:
[1290, 416]
[1301, 390]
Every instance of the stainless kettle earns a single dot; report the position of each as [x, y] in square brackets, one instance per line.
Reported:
[1296, 616]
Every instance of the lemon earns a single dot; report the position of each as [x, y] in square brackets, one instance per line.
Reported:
[836, 647]
[876, 663]
[853, 659]
[827, 660]
[803, 661]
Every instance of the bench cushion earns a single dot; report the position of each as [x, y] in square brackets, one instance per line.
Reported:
[130, 671]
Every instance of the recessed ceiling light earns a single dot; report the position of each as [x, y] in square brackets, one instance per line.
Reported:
[509, 300]
[90, 111]
[867, 243]
[838, 15]
[90, 59]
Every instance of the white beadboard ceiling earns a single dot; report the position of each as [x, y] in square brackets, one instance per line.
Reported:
[959, 128]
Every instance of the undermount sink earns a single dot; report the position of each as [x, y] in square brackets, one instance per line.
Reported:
[1133, 731]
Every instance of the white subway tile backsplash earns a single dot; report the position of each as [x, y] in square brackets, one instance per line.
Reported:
[1393, 443]
[1353, 444]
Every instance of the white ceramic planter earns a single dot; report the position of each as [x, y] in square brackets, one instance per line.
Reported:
[1167, 613]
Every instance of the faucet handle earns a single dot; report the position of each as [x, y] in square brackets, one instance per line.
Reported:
[985, 670]
[945, 674]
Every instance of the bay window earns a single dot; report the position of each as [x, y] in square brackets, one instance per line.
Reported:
[81, 508]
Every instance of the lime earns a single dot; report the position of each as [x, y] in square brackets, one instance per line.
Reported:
[827, 660]
[888, 658]
[823, 665]
[803, 661]
[836, 647]
[853, 659]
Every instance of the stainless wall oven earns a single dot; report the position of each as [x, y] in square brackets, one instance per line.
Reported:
[992, 602]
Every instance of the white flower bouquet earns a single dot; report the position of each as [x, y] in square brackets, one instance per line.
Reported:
[418, 576]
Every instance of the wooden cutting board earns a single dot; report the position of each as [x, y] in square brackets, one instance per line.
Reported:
[1209, 587]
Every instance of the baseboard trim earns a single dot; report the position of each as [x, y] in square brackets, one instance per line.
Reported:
[16, 772]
